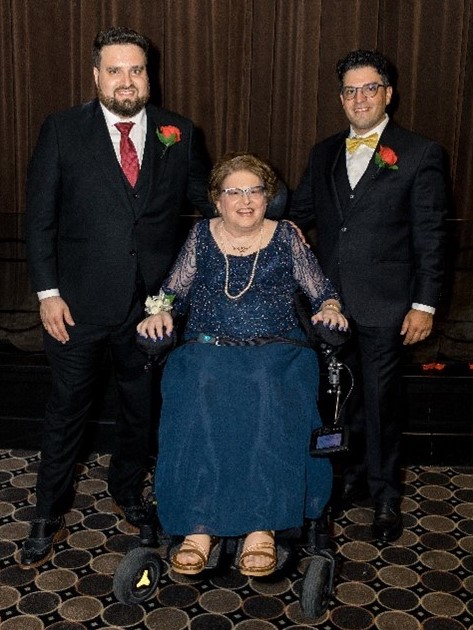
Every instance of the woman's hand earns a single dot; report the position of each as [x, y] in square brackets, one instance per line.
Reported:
[330, 315]
[156, 326]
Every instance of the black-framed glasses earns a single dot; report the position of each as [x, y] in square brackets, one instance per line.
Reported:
[253, 192]
[368, 89]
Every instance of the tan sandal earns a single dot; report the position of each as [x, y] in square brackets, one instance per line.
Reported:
[265, 549]
[190, 546]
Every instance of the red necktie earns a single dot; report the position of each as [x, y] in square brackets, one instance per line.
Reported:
[128, 155]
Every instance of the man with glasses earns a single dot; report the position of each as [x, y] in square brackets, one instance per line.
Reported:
[376, 194]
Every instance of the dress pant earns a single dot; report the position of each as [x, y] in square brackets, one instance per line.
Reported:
[75, 367]
[374, 355]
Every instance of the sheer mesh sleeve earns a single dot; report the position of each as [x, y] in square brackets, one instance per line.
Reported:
[182, 274]
[308, 273]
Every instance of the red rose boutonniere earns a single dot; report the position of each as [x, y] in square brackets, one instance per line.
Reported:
[168, 135]
[386, 158]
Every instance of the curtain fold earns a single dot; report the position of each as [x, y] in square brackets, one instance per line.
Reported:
[207, 67]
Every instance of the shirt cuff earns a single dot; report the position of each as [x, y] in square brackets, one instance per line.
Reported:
[423, 307]
[48, 293]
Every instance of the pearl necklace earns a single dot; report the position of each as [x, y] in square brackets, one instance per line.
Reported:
[227, 266]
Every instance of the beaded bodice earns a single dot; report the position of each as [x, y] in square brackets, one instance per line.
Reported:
[266, 309]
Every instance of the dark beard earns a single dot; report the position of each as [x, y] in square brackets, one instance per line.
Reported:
[126, 108]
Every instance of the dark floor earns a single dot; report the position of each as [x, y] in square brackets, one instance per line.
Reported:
[424, 580]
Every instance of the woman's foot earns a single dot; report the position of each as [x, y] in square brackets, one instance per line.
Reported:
[258, 557]
[193, 554]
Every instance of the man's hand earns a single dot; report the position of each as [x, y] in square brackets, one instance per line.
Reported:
[54, 312]
[299, 232]
[417, 326]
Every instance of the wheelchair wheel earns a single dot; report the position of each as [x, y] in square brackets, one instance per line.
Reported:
[316, 587]
[137, 576]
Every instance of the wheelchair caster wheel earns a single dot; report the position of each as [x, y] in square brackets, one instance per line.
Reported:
[317, 586]
[137, 576]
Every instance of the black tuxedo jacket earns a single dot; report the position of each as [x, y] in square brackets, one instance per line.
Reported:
[89, 233]
[382, 244]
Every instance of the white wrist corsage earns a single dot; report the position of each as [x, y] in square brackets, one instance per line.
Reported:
[158, 303]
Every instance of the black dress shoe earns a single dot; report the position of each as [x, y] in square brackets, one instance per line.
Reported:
[135, 511]
[38, 546]
[353, 492]
[387, 523]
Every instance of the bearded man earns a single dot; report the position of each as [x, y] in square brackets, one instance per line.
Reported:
[106, 185]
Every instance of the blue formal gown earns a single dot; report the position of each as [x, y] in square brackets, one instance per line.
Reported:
[236, 421]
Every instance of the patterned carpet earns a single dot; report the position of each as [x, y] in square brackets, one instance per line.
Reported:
[424, 580]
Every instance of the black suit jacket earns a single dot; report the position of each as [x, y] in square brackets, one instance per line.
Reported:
[382, 244]
[88, 232]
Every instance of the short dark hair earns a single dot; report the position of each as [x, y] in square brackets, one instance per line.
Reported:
[232, 162]
[117, 35]
[362, 58]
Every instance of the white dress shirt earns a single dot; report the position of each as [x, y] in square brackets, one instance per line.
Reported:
[357, 162]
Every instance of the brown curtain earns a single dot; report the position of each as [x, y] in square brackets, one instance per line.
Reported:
[253, 75]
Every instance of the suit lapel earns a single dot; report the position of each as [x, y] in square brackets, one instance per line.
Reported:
[97, 138]
[153, 165]
[336, 159]
[154, 159]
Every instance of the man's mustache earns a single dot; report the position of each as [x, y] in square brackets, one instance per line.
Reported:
[125, 87]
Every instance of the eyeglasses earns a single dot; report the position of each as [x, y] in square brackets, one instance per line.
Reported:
[368, 89]
[254, 192]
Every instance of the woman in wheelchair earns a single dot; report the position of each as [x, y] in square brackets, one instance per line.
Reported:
[239, 392]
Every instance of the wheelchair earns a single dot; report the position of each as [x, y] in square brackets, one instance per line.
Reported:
[138, 575]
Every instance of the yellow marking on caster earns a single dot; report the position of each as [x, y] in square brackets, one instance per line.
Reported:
[144, 581]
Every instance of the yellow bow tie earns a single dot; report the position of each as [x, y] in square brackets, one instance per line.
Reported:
[370, 141]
